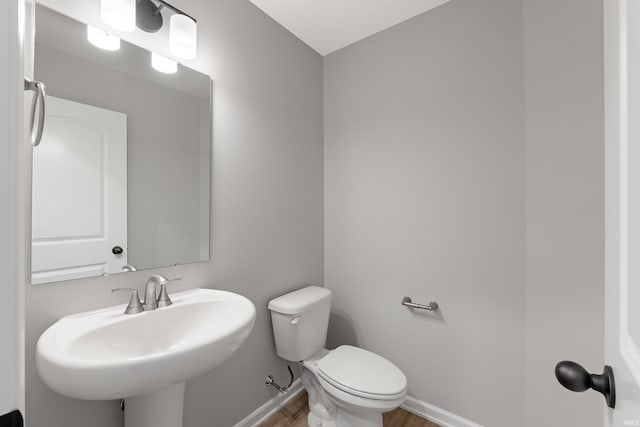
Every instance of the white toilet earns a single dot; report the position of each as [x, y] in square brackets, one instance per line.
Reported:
[348, 386]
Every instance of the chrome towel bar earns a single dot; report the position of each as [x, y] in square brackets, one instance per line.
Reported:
[432, 306]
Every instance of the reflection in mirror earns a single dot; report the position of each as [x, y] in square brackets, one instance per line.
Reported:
[121, 179]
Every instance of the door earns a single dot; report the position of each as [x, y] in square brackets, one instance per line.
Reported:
[79, 193]
[12, 355]
[622, 207]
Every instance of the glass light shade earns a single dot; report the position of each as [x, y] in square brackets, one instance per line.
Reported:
[102, 39]
[163, 64]
[119, 14]
[183, 36]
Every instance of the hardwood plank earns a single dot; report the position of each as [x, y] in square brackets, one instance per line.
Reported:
[294, 414]
[402, 418]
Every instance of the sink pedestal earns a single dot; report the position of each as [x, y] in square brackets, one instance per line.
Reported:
[162, 408]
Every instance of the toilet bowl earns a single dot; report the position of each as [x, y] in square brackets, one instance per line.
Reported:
[347, 386]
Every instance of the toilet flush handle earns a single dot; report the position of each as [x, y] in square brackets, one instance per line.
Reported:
[296, 320]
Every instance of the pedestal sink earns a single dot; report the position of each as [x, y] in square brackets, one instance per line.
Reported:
[144, 358]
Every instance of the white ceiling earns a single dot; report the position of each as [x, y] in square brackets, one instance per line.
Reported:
[329, 25]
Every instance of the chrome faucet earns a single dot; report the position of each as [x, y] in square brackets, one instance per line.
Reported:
[152, 299]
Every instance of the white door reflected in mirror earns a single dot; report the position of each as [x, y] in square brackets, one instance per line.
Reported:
[79, 193]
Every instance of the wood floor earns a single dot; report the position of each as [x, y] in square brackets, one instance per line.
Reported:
[295, 415]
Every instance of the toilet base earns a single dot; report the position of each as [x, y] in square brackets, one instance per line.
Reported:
[314, 421]
[345, 419]
[359, 419]
[323, 412]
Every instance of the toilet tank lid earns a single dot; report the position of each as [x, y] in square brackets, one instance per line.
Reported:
[299, 301]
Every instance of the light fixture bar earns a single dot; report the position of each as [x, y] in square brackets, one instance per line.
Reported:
[176, 10]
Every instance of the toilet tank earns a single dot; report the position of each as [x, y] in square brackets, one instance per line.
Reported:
[300, 320]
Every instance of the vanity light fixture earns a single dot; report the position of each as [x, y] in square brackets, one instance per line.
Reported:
[125, 15]
[163, 64]
[149, 16]
[119, 14]
[102, 39]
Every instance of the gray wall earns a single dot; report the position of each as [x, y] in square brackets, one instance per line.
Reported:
[266, 213]
[565, 204]
[424, 196]
[427, 129]
[163, 152]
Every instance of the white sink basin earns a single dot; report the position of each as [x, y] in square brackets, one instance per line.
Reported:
[106, 354]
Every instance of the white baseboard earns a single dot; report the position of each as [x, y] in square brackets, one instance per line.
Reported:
[435, 414]
[272, 406]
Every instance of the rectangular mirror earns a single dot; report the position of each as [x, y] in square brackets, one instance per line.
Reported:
[121, 179]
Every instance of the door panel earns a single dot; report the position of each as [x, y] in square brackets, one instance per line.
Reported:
[622, 205]
[79, 193]
[69, 206]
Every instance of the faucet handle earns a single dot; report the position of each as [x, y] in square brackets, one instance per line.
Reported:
[163, 297]
[135, 306]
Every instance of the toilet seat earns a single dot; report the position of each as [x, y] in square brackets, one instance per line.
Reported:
[362, 373]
